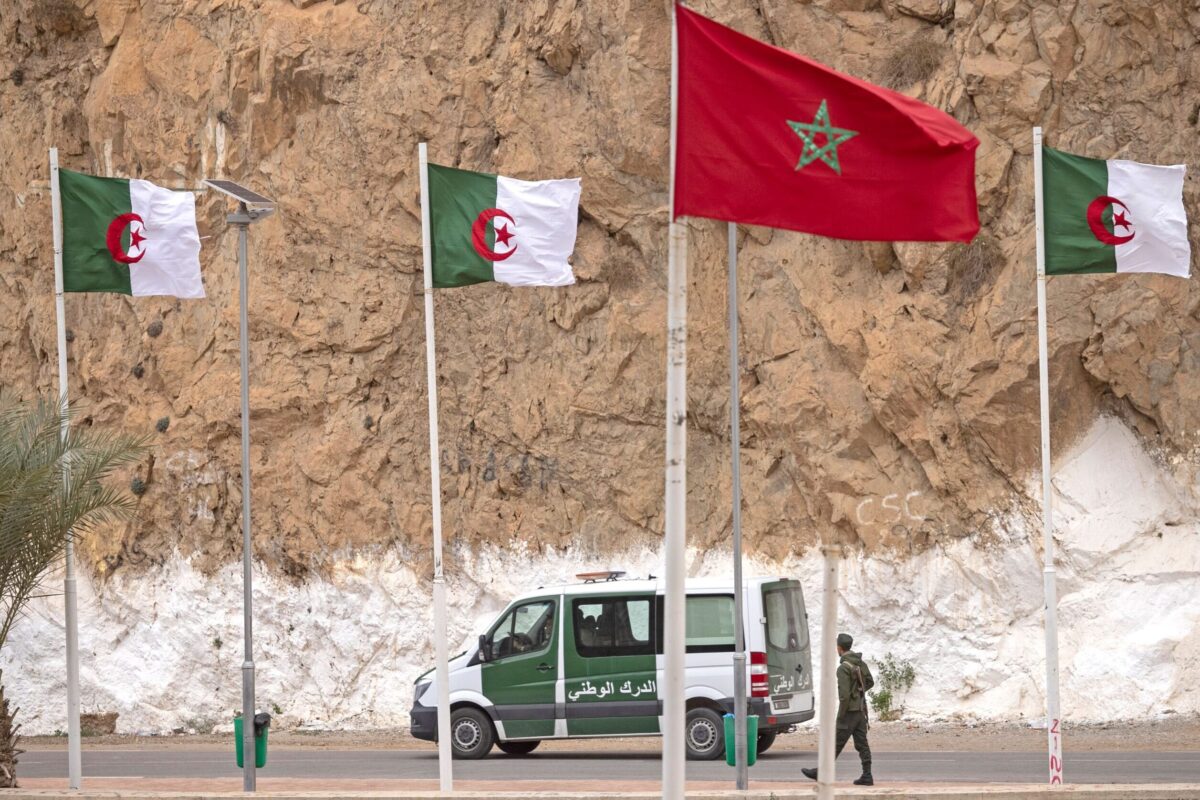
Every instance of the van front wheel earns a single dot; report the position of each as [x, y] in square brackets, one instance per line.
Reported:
[705, 735]
[519, 748]
[471, 733]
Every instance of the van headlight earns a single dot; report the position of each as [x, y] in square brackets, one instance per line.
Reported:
[419, 690]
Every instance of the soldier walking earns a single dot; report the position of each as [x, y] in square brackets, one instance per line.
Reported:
[854, 681]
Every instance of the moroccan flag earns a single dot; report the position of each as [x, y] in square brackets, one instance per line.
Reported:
[767, 137]
[1113, 216]
[491, 228]
[129, 237]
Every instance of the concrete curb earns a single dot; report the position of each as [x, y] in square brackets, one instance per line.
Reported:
[989, 792]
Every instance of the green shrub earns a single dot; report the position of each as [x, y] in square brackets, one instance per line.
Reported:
[200, 724]
[895, 678]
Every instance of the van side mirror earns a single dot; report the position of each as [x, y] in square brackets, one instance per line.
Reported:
[485, 648]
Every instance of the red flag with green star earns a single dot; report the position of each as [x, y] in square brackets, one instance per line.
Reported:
[767, 137]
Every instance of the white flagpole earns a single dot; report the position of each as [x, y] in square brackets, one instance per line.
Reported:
[741, 753]
[74, 755]
[827, 709]
[1049, 578]
[441, 663]
[675, 539]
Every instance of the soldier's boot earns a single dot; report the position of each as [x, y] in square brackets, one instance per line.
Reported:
[809, 772]
[865, 779]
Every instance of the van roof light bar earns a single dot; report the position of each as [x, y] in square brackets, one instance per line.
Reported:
[603, 575]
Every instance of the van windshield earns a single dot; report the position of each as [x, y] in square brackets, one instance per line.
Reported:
[786, 627]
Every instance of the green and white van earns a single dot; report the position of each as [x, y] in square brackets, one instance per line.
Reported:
[586, 660]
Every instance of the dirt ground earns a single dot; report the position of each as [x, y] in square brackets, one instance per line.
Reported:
[1168, 733]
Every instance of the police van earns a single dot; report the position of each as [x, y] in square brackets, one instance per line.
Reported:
[586, 660]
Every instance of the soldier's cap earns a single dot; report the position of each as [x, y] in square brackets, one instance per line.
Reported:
[845, 641]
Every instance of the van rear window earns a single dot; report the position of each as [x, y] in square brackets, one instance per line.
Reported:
[786, 626]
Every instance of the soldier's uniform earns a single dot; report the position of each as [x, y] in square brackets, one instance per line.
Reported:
[854, 680]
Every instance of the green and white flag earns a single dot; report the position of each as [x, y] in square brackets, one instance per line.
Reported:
[129, 237]
[491, 228]
[1113, 216]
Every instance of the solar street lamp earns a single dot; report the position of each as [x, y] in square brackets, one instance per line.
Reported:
[252, 207]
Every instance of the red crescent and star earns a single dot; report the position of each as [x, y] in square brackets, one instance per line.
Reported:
[503, 234]
[1095, 220]
[113, 238]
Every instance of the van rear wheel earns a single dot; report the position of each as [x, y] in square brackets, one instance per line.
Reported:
[519, 748]
[705, 735]
[765, 740]
[471, 734]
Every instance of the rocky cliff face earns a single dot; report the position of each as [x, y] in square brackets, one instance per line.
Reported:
[890, 391]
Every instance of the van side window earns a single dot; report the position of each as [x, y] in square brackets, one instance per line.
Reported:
[613, 626]
[527, 628]
[709, 623]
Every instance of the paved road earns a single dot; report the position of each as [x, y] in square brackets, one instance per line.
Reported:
[1128, 767]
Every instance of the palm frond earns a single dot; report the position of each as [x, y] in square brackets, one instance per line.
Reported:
[51, 487]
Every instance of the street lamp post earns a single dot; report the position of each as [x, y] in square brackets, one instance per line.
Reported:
[252, 207]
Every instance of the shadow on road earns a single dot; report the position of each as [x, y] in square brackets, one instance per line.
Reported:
[611, 755]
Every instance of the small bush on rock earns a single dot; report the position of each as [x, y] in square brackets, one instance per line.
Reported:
[913, 62]
[973, 265]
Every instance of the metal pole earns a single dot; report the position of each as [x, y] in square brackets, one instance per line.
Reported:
[70, 597]
[1049, 578]
[741, 754]
[441, 655]
[242, 220]
[827, 710]
[675, 544]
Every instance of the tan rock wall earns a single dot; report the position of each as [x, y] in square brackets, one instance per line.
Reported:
[889, 391]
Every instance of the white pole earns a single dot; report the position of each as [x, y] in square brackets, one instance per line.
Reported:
[74, 753]
[827, 710]
[441, 662]
[675, 544]
[741, 757]
[1049, 579]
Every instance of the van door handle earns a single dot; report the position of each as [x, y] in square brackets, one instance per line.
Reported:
[543, 667]
[800, 668]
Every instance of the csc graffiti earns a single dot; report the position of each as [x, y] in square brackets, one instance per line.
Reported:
[888, 510]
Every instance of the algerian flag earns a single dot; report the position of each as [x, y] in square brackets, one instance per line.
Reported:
[128, 236]
[491, 228]
[1113, 216]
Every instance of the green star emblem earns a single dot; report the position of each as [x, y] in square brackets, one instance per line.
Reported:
[812, 151]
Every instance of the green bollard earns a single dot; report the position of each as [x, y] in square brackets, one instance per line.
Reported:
[751, 740]
[260, 741]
